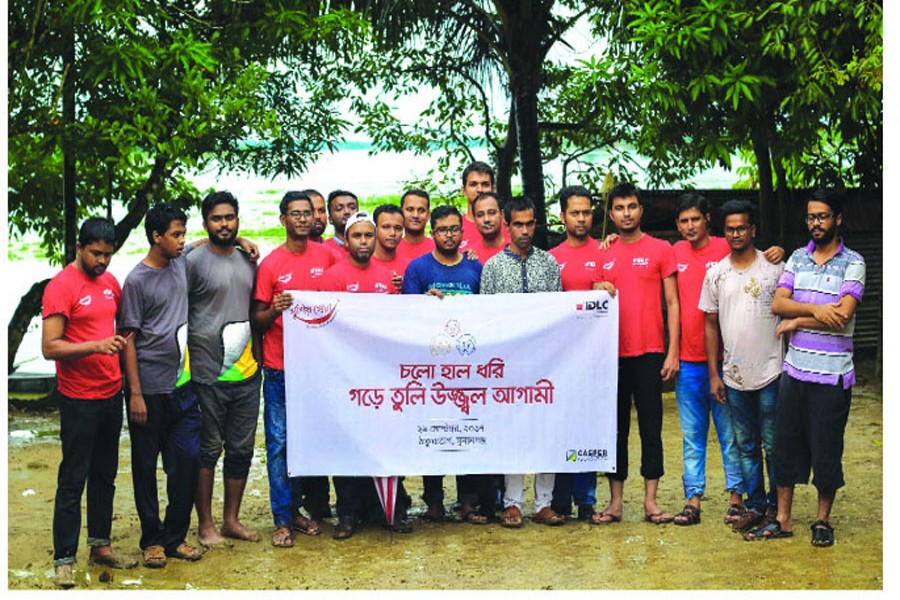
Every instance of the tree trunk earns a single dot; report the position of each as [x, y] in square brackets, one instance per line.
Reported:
[29, 306]
[781, 194]
[764, 167]
[506, 155]
[531, 159]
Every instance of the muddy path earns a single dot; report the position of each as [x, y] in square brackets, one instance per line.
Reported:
[452, 555]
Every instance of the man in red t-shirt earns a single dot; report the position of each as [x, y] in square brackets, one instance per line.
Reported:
[358, 274]
[477, 177]
[493, 237]
[578, 256]
[79, 312]
[388, 236]
[416, 210]
[642, 269]
[295, 265]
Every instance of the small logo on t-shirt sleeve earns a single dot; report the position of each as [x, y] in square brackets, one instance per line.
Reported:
[285, 278]
[86, 301]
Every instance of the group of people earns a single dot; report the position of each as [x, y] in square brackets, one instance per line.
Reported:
[197, 331]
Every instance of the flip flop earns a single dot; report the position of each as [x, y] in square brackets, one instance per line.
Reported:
[770, 530]
[154, 557]
[605, 518]
[658, 518]
[822, 534]
[185, 551]
[307, 526]
[282, 538]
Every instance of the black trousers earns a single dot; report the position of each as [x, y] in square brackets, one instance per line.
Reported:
[639, 378]
[173, 429]
[89, 432]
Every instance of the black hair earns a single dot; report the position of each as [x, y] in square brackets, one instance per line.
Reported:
[478, 167]
[311, 192]
[739, 207]
[692, 200]
[482, 196]
[625, 190]
[293, 197]
[214, 199]
[834, 200]
[443, 211]
[391, 209]
[159, 218]
[96, 229]
[516, 204]
[336, 193]
[415, 192]
[569, 191]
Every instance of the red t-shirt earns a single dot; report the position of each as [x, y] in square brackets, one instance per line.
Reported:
[337, 250]
[484, 253]
[692, 266]
[577, 264]
[89, 306]
[282, 270]
[347, 277]
[637, 271]
[471, 235]
[410, 252]
[397, 265]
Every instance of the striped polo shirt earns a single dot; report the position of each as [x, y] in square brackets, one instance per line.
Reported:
[819, 355]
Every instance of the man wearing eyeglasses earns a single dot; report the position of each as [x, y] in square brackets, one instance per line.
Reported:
[817, 296]
[737, 298]
[446, 272]
[295, 265]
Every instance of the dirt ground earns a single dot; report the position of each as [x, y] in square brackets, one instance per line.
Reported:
[631, 555]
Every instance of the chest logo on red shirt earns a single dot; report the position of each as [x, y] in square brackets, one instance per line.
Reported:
[380, 287]
[682, 267]
[86, 301]
[608, 266]
[640, 261]
[316, 272]
[352, 287]
[590, 265]
[108, 294]
[285, 278]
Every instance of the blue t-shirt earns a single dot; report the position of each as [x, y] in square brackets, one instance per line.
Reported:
[425, 273]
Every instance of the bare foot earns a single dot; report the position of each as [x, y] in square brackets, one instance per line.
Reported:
[237, 531]
[209, 537]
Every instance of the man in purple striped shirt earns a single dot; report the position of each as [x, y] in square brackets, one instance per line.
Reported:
[817, 296]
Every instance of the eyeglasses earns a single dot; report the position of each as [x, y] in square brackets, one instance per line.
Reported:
[736, 231]
[300, 214]
[818, 217]
[448, 230]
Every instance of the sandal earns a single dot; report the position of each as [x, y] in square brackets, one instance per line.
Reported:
[689, 515]
[770, 530]
[822, 534]
[605, 518]
[185, 551]
[511, 517]
[154, 557]
[282, 538]
[659, 518]
[474, 517]
[735, 511]
[307, 526]
[548, 516]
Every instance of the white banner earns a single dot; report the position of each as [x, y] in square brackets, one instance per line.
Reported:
[383, 385]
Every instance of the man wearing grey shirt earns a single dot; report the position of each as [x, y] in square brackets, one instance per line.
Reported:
[522, 268]
[223, 365]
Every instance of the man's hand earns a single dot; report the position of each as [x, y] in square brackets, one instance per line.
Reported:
[281, 302]
[608, 241]
[110, 345]
[717, 388]
[785, 326]
[137, 409]
[435, 292]
[606, 286]
[670, 368]
[471, 255]
[774, 255]
[830, 315]
[249, 248]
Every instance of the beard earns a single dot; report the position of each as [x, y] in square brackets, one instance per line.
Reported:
[827, 235]
[223, 241]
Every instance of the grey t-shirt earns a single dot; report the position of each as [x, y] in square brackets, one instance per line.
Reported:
[220, 289]
[155, 303]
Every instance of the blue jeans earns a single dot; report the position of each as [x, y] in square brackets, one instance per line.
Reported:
[695, 404]
[753, 415]
[284, 491]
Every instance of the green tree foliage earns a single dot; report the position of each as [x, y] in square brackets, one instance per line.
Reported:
[795, 84]
[160, 88]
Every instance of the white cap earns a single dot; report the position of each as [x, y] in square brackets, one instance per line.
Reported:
[359, 217]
